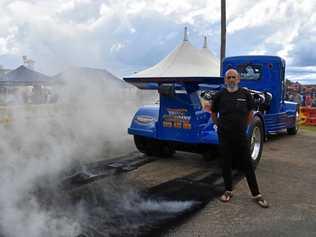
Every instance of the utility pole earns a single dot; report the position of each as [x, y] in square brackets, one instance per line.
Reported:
[223, 33]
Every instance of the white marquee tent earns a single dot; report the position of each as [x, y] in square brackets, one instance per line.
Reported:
[184, 61]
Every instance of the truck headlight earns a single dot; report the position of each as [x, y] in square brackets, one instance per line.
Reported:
[144, 119]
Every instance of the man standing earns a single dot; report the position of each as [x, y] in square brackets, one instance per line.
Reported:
[297, 98]
[234, 106]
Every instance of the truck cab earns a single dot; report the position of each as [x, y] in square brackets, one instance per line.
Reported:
[267, 74]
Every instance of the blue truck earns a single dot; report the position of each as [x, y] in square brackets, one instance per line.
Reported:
[179, 121]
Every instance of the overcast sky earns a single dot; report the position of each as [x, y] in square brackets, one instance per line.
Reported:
[129, 35]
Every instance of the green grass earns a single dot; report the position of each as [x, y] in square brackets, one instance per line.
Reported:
[309, 128]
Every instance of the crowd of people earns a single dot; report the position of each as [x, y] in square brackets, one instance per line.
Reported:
[303, 99]
[36, 94]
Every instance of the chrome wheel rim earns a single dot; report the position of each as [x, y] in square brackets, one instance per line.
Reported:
[297, 121]
[255, 143]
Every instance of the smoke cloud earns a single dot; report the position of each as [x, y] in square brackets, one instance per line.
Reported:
[40, 142]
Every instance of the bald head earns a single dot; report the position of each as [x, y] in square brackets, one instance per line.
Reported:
[230, 72]
[232, 79]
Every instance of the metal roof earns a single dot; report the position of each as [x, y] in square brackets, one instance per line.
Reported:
[24, 76]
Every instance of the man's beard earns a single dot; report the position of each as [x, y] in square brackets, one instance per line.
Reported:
[231, 87]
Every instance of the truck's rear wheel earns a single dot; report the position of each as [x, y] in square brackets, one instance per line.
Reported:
[256, 140]
[153, 147]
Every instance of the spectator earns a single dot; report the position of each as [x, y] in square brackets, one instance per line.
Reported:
[308, 100]
[37, 95]
[314, 102]
[303, 102]
[291, 97]
[297, 98]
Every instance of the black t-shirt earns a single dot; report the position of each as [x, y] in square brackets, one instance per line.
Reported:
[233, 109]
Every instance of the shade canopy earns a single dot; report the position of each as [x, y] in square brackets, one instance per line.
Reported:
[184, 61]
[24, 76]
[90, 75]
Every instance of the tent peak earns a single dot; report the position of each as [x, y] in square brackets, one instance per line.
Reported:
[205, 42]
[185, 38]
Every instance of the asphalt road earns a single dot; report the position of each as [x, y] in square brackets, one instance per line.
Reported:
[287, 178]
[144, 196]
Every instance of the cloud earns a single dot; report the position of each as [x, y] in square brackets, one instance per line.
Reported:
[287, 28]
[128, 35]
[305, 75]
[117, 47]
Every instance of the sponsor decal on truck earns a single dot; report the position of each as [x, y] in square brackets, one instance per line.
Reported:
[176, 118]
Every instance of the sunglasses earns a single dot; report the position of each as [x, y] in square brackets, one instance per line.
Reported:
[231, 77]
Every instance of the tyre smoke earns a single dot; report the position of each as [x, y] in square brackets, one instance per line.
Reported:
[41, 142]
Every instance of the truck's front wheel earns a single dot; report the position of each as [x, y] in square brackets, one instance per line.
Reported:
[153, 147]
[256, 140]
[294, 130]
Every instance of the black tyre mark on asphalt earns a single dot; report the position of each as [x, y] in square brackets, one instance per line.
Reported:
[198, 189]
[112, 208]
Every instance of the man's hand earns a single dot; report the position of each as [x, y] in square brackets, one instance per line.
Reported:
[207, 106]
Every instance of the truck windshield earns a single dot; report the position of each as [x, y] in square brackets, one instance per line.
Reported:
[250, 71]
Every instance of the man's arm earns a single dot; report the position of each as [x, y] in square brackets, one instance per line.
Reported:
[214, 108]
[249, 117]
[251, 107]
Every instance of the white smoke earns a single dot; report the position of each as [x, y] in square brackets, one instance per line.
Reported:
[39, 142]
[166, 206]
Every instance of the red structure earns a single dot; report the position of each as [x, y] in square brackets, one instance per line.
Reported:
[308, 115]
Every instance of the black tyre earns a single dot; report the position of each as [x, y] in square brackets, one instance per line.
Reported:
[256, 140]
[294, 130]
[152, 147]
[166, 151]
[142, 145]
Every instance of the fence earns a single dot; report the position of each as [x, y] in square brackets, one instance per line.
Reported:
[308, 115]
